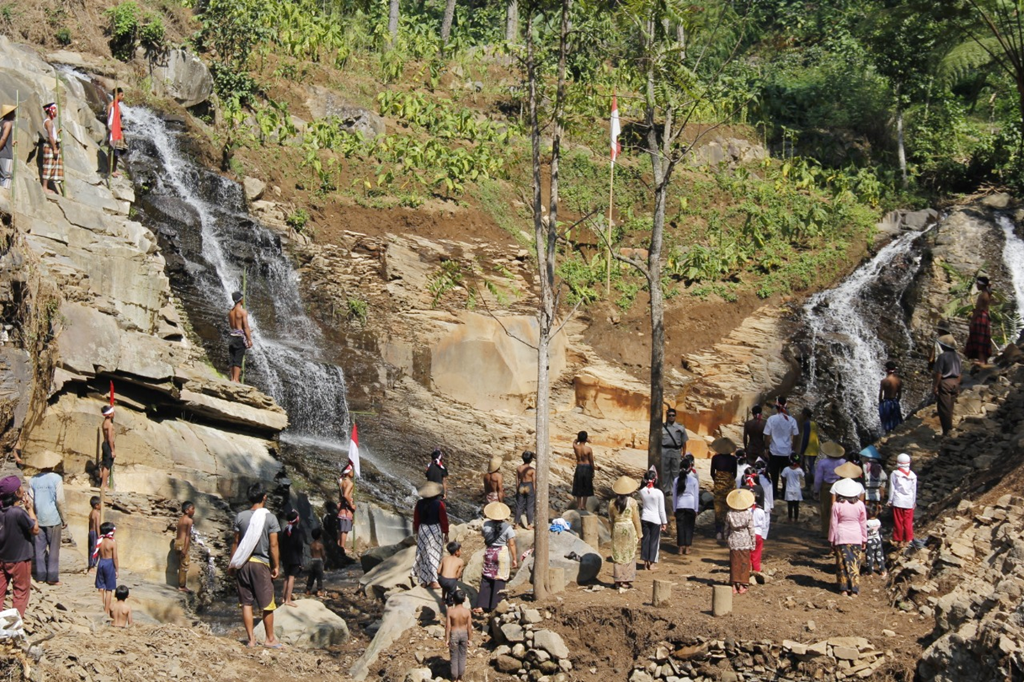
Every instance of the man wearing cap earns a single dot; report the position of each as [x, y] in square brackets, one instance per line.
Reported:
[48, 492]
[107, 447]
[240, 336]
[673, 440]
[493, 484]
[16, 548]
[781, 430]
[825, 475]
[903, 500]
[946, 384]
[7, 143]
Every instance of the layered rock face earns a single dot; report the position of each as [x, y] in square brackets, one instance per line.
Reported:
[111, 320]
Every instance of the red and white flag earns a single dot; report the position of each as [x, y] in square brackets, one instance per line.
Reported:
[616, 129]
[353, 450]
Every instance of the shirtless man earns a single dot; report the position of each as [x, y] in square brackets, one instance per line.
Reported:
[107, 460]
[347, 508]
[526, 490]
[183, 542]
[583, 479]
[493, 482]
[458, 632]
[241, 335]
[889, 393]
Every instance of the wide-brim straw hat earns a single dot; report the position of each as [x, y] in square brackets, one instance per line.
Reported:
[740, 499]
[948, 341]
[832, 449]
[625, 486]
[847, 487]
[431, 489]
[47, 459]
[849, 470]
[724, 446]
[6, 109]
[497, 511]
[494, 465]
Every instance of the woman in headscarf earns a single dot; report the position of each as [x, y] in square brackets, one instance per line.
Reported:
[686, 502]
[7, 113]
[848, 535]
[723, 473]
[625, 519]
[741, 537]
[437, 472]
[652, 519]
[499, 555]
[53, 158]
[430, 526]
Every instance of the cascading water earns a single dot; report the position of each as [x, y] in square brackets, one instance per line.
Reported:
[234, 253]
[846, 326]
[1013, 259]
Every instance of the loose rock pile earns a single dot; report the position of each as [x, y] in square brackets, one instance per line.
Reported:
[707, 660]
[528, 651]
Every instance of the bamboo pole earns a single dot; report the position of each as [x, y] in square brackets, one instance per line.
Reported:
[14, 162]
[60, 132]
[611, 204]
[245, 284]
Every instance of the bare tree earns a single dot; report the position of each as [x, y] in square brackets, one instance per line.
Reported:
[446, 22]
[393, 21]
[511, 21]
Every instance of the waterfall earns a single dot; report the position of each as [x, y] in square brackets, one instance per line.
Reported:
[1013, 259]
[846, 324]
[224, 250]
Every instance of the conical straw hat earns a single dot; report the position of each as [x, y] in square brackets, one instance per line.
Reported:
[832, 449]
[497, 511]
[625, 486]
[740, 499]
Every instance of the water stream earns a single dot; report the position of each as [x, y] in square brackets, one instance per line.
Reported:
[853, 330]
[1013, 259]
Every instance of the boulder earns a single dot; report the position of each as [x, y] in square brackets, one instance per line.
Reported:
[560, 546]
[551, 642]
[419, 675]
[324, 103]
[374, 556]
[400, 614]
[394, 572]
[182, 76]
[254, 188]
[307, 625]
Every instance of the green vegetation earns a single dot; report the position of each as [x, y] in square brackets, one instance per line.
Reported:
[358, 310]
[297, 220]
[129, 28]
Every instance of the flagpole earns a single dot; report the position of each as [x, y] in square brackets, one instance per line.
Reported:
[14, 164]
[611, 204]
[60, 132]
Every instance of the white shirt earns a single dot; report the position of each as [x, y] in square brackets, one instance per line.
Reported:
[769, 492]
[794, 480]
[874, 527]
[903, 489]
[740, 470]
[762, 520]
[689, 499]
[781, 428]
[652, 506]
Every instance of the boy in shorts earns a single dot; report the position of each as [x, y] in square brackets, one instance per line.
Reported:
[106, 569]
[120, 612]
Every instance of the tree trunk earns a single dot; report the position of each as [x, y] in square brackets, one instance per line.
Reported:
[540, 547]
[901, 149]
[512, 21]
[393, 22]
[446, 22]
[681, 40]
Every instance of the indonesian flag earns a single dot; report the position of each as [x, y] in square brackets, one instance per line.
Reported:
[353, 450]
[616, 129]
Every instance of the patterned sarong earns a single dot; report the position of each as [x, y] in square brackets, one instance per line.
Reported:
[724, 484]
[848, 558]
[890, 414]
[497, 563]
[979, 341]
[429, 548]
[624, 550]
[53, 164]
[739, 566]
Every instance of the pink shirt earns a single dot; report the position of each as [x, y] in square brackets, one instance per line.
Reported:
[849, 524]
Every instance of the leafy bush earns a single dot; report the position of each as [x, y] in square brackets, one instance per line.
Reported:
[358, 310]
[63, 36]
[297, 220]
[128, 29]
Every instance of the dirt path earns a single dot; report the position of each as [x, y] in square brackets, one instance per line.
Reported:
[607, 632]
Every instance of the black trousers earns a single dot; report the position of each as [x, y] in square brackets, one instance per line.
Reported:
[685, 521]
[651, 540]
[316, 574]
[775, 466]
[793, 509]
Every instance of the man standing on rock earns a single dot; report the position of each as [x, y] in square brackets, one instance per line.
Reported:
[781, 429]
[889, 393]
[240, 336]
[583, 478]
[48, 494]
[946, 384]
[673, 440]
[255, 563]
[107, 447]
[526, 494]
[494, 484]
[183, 542]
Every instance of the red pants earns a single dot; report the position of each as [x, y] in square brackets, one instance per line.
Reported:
[755, 555]
[903, 524]
[19, 575]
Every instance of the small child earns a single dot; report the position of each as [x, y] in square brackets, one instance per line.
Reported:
[766, 486]
[458, 632]
[94, 529]
[106, 569]
[120, 612]
[761, 522]
[316, 565]
[451, 570]
[874, 559]
[793, 477]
